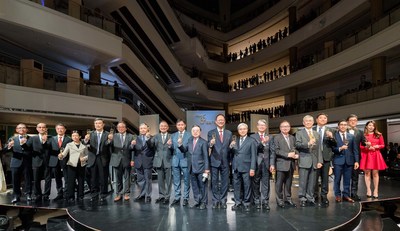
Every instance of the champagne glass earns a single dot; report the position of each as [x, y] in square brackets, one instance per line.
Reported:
[88, 131]
[233, 137]
[346, 142]
[213, 135]
[61, 150]
[111, 130]
[180, 136]
[134, 137]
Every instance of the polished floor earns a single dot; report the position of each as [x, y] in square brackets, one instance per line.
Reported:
[130, 215]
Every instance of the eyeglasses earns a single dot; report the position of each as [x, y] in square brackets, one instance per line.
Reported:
[21, 127]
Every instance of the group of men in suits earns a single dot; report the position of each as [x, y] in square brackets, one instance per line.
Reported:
[187, 158]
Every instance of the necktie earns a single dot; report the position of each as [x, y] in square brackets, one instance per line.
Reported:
[310, 134]
[321, 137]
[59, 141]
[163, 138]
[220, 136]
[194, 143]
[287, 141]
[122, 139]
[241, 141]
[262, 137]
[143, 140]
[344, 138]
[98, 142]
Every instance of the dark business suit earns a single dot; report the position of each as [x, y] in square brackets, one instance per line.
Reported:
[219, 162]
[143, 157]
[98, 162]
[55, 165]
[326, 148]
[360, 140]
[244, 159]
[162, 163]
[343, 163]
[39, 162]
[180, 167]
[284, 167]
[265, 158]
[21, 162]
[308, 159]
[198, 163]
[121, 157]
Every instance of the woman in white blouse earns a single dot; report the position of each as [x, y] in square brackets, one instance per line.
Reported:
[76, 165]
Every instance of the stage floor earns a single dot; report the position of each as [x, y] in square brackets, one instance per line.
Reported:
[130, 215]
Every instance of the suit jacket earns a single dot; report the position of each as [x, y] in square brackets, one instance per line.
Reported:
[39, 151]
[20, 153]
[54, 150]
[281, 150]
[220, 151]
[104, 149]
[121, 152]
[245, 155]
[348, 156]
[327, 144]
[75, 153]
[144, 153]
[178, 158]
[197, 157]
[264, 152]
[163, 153]
[308, 157]
[359, 139]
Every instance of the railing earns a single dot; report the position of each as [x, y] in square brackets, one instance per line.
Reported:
[92, 16]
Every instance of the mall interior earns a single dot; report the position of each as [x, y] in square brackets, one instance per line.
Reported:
[71, 61]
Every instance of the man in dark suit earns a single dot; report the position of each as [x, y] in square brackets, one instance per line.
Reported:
[162, 162]
[326, 143]
[121, 158]
[180, 165]
[21, 163]
[39, 158]
[359, 137]
[346, 159]
[244, 152]
[143, 162]
[284, 149]
[310, 159]
[196, 150]
[219, 140]
[98, 159]
[265, 165]
[55, 144]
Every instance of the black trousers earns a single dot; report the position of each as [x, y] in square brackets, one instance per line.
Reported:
[75, 174]
[16, 173]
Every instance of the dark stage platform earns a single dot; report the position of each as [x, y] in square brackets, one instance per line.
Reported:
[130, 215]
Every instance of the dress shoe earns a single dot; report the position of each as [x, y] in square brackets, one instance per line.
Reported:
[94, 198]
[175, 202]
[369, 196]
[324, 201]
[223, 206]
[312, 203]
[195, 205]
[348, 199]
[38, 198]
[302, 203]
[281, 205]
[159, 200]
[258, 206]
[185, 202]
[375, 197]
[356, 198]
[236, 207]
[166, 201]
[15, 200]
[71, 200]
[247, 208]
[80, 199]
[46, 198]
[28, 197]
[338, 199]
[266, 206]
[139, 198]
[202, 206]
[290, 203]
[216, 205]
[147, 200]
[58, 197]
[102, 198]
[117, 198]
[127, 197]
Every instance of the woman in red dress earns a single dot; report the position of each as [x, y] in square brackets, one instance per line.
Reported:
[371, 157]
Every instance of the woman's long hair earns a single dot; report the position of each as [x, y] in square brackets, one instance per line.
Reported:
[377, 134]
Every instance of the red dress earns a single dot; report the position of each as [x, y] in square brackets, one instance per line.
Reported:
[372, 160]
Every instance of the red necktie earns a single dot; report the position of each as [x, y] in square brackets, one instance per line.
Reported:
[59, 141]
[220, 136]
[194, 143]
[262, 137]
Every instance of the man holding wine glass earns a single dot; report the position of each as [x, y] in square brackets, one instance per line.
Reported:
[345, 159]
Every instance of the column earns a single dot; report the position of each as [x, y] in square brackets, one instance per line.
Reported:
[293, 59]
[292, 19]
[95, 75]
[376, 10]
[378, 69]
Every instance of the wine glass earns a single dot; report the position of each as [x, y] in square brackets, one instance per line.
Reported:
[346, 142]
[61, 150]
[134, 137]
[213, 135]
[234, 137]
[111, 130]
